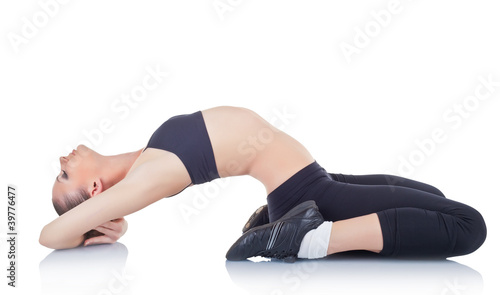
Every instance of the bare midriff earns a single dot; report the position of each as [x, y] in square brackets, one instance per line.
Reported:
[246, 144]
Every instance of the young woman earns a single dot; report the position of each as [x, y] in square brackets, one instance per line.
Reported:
[310, 213]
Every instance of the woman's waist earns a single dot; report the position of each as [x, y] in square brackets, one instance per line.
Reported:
[309, 182]
[272, 163]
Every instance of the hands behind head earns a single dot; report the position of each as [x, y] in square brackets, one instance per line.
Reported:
[106, 233]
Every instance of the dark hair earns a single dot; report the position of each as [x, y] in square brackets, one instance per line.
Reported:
[70, 201]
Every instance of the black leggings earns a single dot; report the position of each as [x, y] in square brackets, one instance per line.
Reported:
[416, 219]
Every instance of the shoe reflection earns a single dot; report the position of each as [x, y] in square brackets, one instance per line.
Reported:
[356, 273]
[97, 269]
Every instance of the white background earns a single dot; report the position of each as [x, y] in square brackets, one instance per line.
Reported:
[62, 72]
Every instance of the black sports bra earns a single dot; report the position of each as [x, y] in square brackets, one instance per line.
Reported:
[186, 136]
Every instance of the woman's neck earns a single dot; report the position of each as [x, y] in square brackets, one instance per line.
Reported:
[116, 167]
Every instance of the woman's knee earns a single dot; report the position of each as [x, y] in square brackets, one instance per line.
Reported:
[473, 232]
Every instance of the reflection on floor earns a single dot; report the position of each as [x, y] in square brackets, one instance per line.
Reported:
[356, 273]
[100, 270]
[95, 269]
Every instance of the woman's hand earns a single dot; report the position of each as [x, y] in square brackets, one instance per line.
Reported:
[109, 231]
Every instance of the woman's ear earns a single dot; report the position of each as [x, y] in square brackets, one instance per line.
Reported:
[96, 187]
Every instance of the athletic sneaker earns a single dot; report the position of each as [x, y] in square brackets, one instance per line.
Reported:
[280, 239]
[258, 218]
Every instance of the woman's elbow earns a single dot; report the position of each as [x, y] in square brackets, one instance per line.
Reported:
[45, 243]
[53, 242]
[45, 240]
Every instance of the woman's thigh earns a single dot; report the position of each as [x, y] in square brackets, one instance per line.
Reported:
[344, 200]
[385, 179]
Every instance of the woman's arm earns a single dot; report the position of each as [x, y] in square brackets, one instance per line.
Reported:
[149, 182]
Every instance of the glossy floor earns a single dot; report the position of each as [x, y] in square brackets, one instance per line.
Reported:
[103, 270]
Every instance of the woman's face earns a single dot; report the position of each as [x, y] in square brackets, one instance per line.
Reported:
[78, 170]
